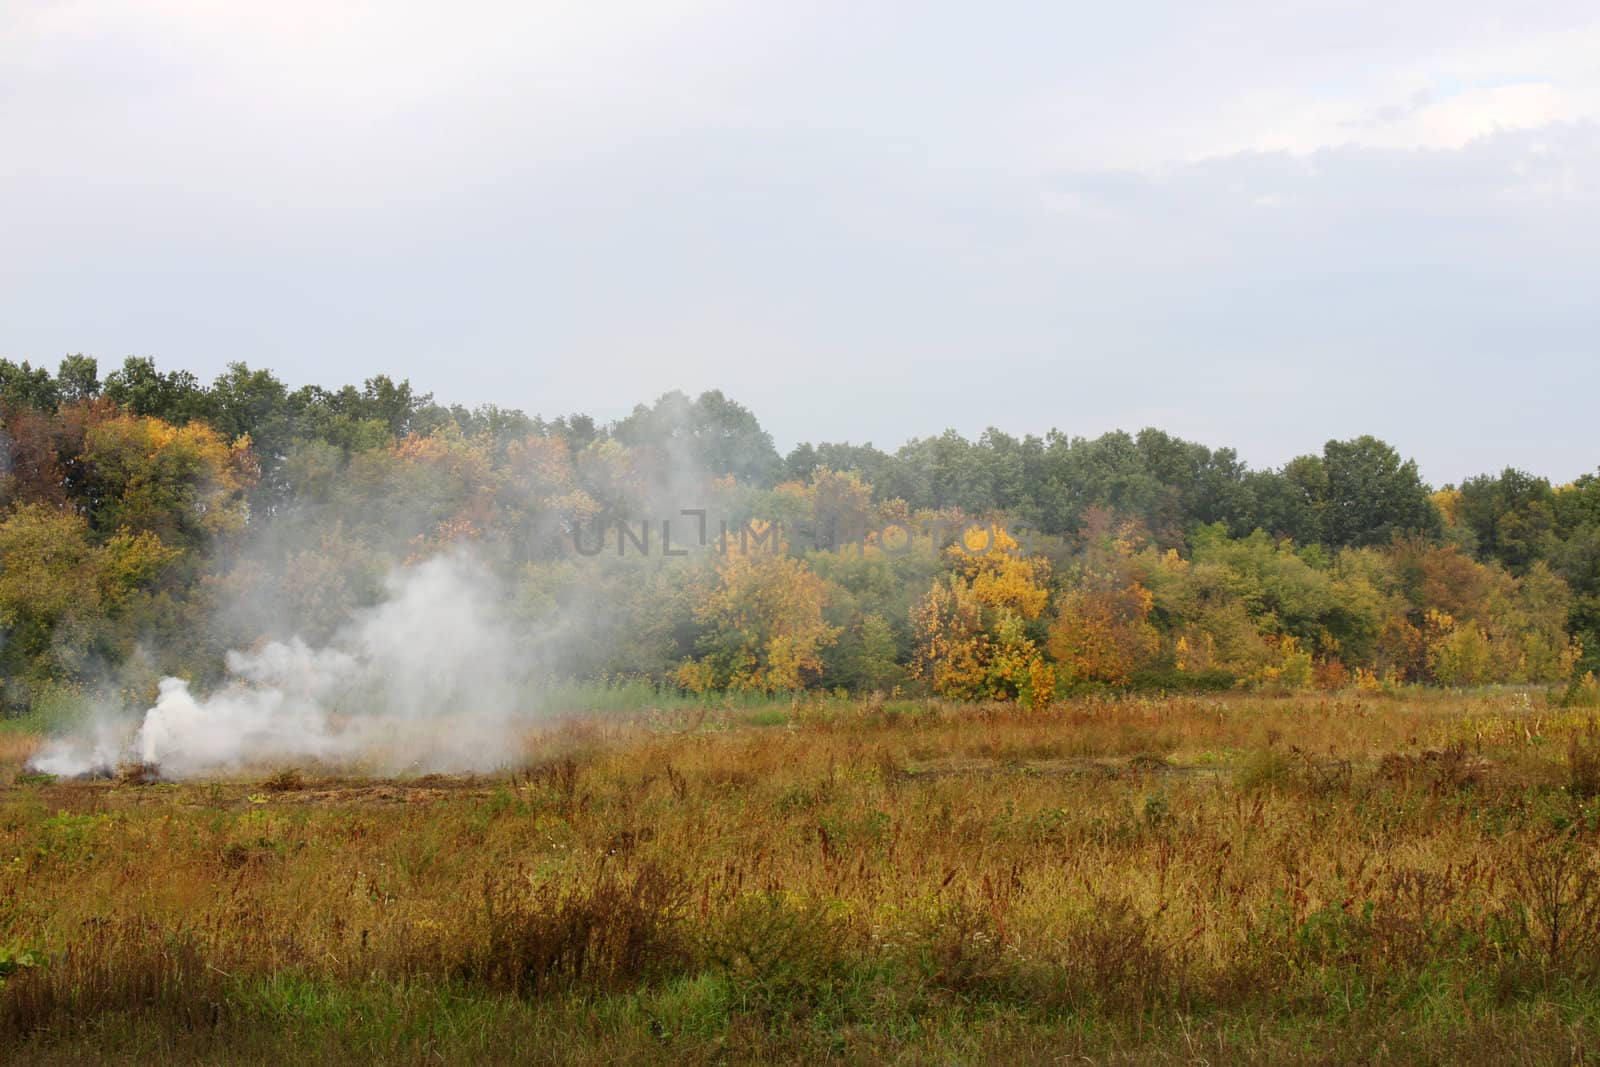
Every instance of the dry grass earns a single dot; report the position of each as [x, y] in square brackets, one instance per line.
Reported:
[1223, 879]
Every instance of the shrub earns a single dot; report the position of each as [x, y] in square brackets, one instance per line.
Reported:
[1583, 762]
[782, 957]
[606, 934]
[1582, 692]
[1264, 768]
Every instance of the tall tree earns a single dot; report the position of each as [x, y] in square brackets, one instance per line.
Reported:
[78, 379]
[1373, 495]
[1510, 516]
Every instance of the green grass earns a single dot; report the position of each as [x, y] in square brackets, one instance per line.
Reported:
[699, 1019]
[633, 696]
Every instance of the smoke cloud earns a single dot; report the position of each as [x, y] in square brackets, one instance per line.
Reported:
[428, 679]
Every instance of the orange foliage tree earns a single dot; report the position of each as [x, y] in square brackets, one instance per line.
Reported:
[1102, 635]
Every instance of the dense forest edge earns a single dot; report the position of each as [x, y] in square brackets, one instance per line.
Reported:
[150, 522]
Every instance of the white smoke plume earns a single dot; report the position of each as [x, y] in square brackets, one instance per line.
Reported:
[99, 746]
[428, 680]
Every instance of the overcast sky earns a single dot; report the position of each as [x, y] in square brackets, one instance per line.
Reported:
[1257, 225]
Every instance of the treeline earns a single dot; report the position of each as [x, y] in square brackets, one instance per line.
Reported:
[149, 521]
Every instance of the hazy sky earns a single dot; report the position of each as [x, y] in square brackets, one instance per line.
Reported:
[1260, 225]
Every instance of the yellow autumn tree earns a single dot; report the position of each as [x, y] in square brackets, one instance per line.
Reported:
[833, 510]
[1458, 653]
[762, 615]
[1002, 577]
[952, 651]
[184, 484]
[971, 629]
[1448, 501]
[1289, 666]
[58, 589]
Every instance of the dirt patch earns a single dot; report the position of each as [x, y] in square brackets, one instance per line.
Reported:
[77, 795]
[1104, 767]
[370, 795]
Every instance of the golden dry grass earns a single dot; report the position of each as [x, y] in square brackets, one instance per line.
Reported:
[1230, 878]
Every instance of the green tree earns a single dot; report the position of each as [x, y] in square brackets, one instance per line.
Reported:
[78, 379]
[254, 404]
[1511, 516]
[25, 386]
[1372, 495]
[710, 435]
[138, 387]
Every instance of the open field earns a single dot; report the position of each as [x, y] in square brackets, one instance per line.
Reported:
[1369, 878]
